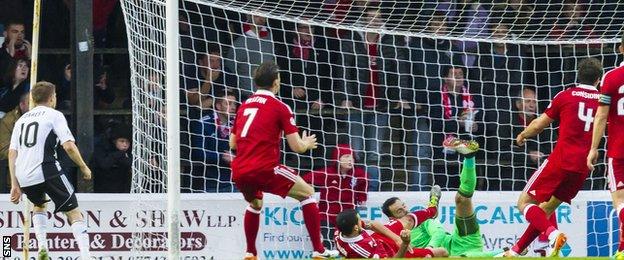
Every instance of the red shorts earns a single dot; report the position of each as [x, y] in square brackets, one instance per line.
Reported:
[615, 169]
[418, 253]
[551, 180]
[278, 181]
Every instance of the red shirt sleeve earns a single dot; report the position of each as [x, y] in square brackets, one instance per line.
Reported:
[287, 120]
[606, 90]
[554, 109]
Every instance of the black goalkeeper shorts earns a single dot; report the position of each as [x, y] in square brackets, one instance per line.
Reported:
[58, 189]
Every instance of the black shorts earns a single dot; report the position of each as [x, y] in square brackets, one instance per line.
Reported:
[58, 189]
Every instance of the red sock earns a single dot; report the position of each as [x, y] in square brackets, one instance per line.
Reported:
[553, 221]
[251, 224]
[424, 214]
[312, 221]
[525, 240]
[621, 218]
[537, 218]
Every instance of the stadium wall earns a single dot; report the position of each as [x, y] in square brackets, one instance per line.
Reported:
[212, 224]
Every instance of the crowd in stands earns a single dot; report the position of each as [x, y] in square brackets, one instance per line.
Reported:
[381, 104]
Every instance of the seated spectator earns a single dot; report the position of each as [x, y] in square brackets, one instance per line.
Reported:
[210, 151]
[454, 110]
[249, 50]
[6, 129]
[103, 94]
[499, 68]
[14, 85]
[342, 184]
[112, 167]
[213, 78]
[15, 47]
[503, 127]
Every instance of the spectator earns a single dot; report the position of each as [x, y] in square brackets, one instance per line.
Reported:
[342, 184]
[14, 85]
[103, 94]
[306, 74]
[427, 57]
[371, 82]
[248, 51]
[499, 68]
[502, 128]
[213, 78]
[112, 167]
[571, 23]
[15, 47]
[470, 21]
[6, 129]
[454, 110]
[210, 151]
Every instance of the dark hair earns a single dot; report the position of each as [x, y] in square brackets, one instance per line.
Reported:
[13, 22]
[42, 92]
[385, 208]
[346, 220]
[589, 71]
[213, 48]
[9, 75]
[266, 74]
[520, 94]
[446, 69]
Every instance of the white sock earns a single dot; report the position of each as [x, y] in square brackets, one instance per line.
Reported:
[40, 224]
[553, 235]
[80, 234]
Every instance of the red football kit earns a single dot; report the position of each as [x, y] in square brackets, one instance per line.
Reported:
[259, 124]
[374, 245]
[612, 93]
[563, 173]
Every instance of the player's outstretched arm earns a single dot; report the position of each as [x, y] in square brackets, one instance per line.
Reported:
[600, 124]
[404, 246]
[303, 143]
[536, 127]
[379, 228]
[73, 153]
[16, 192]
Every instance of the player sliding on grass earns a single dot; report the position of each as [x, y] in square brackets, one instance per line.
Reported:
[389, 240]
[561, 176]
[466, 238]
[256, 136]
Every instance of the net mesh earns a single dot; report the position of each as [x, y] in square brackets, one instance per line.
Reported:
[389, 79]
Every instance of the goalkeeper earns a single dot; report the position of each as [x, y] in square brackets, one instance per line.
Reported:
[465, 240]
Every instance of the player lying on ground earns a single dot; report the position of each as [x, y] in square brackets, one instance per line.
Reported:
[35, 170]
[466, 237]
[256, 137]
[561, 176]
[611, 110]
[370, 239]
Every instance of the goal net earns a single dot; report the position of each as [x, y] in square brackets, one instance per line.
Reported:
[387, 81]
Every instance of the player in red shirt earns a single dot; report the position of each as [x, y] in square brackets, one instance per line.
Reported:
[361, 239]
[612, 92]
[561, 176]
[256, 137]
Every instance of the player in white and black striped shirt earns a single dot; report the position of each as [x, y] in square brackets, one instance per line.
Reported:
[35, 170]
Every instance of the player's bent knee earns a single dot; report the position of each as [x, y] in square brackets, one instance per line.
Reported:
[73, 215]
[256, 204]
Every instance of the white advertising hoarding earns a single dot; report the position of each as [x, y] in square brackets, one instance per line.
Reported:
[212, 224]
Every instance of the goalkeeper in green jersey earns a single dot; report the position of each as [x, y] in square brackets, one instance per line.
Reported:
[465, 240]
